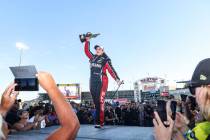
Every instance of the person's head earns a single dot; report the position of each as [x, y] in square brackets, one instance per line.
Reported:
[48, 109]
[202, 95]
[122, 107]
[132, 105]
[117, 103]
[99, 50]
[200, 87]
[109, 107]
[23, 114]
[39, 112]
[15, 106]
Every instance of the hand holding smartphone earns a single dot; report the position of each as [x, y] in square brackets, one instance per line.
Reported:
[163, 110]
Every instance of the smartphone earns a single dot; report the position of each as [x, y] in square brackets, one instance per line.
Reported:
[27, 84]
[173, 109]
[161, 109]
[192, 102]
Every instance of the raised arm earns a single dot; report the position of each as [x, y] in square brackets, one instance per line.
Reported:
[8, 99]
[88, 53]
[67, 118]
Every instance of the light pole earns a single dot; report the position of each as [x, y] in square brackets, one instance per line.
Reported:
[20, 59]
[21, 46]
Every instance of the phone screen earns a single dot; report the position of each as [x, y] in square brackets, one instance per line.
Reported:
[161, 109]
[27, 84]
[173, 109]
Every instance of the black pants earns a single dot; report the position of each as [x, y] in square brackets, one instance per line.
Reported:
[98, 88]
[95, 90]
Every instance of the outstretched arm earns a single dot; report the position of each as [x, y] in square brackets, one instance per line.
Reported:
[111, 70]
[88, 53]
[67, 118]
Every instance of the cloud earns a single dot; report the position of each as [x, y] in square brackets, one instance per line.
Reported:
[21, 46]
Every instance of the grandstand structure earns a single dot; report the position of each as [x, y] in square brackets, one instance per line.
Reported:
[121, 95]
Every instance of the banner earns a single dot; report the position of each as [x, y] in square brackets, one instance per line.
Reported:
[70, 91]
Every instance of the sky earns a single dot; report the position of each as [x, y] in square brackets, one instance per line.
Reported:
[142, 37]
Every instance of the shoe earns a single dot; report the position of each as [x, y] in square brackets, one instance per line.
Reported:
[102, 125]
[97, 126]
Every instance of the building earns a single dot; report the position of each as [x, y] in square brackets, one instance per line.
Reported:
[150, 88]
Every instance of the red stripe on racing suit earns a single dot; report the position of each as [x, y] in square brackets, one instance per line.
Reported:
[88, 53]
[108, 66]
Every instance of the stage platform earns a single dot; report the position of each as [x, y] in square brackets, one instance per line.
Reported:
[88, 132]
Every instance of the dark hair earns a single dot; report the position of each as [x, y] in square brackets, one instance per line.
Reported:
[96, 46]
[20, 112]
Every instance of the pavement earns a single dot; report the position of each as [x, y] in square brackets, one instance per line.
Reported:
[88, 132]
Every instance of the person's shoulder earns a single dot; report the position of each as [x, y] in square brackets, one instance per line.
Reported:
[106, 57]
[18, 125]
[93, 57]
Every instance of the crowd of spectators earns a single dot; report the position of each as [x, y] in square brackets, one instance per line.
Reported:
[23, 118]
[134, 113]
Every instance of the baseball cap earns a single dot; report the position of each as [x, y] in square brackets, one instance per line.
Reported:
[98, 46]
[201, 75]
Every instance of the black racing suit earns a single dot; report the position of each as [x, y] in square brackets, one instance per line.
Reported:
[99, 80]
